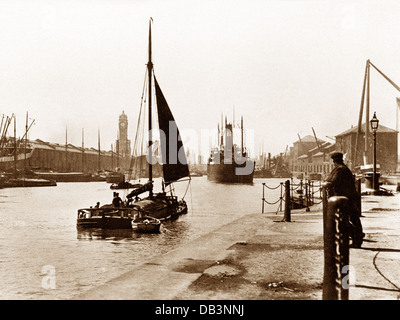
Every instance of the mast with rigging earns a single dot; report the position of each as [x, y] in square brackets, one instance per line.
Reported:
[150, 153]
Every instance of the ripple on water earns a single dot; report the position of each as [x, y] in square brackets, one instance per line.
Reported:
[39, 231]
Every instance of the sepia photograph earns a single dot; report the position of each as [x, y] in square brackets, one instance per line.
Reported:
[198, 156]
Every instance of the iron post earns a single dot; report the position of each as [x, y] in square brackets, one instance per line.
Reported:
[286, 216]
[336, 249]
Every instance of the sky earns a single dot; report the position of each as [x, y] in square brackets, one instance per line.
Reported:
[286, 66]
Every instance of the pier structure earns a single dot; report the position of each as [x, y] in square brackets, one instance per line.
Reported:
[24, 154]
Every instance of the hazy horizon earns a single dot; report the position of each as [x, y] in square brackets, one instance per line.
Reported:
[285, 66]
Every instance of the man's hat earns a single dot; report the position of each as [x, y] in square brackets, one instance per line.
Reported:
[337, 156]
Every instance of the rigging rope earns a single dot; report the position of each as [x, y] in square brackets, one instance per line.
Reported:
[135, 145]
[191, 197]
[184, 195]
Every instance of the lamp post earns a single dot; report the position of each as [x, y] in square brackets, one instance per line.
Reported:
[374, 126]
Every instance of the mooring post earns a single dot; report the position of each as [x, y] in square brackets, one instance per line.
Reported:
[321, 189]
[307, 187]
[336, 249]
[286, 216]
[358, 189]
[312, 192]
[324, 190]
[263, 197]
[301, 193]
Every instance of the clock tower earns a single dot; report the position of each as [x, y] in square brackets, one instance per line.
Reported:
[123, 143]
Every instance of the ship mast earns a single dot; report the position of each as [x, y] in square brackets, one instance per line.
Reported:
[25, 141]
[150, 70]
[66, 149]
[98, 147]
[83, 150]
[241, 136]
[15, 147]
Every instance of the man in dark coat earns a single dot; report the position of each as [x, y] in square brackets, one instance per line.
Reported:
[343, 184]
[117, 201]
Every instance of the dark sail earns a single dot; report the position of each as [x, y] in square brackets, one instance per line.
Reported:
[173, 154]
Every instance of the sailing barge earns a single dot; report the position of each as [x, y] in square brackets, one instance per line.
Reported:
[162, 205]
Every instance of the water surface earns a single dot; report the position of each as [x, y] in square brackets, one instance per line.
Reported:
[44, 256]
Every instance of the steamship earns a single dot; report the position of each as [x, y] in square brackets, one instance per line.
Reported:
[230, 163]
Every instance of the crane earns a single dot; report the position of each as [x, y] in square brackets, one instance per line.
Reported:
[302, 146]
[316, 140]
[365, 97]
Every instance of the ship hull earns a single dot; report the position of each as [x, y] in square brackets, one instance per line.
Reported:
[161, 207]
[228, 173]
[105, 222]
[27, 182]
[263, 173]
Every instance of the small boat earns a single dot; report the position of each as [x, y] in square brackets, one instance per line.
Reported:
[106, 217]
[28, 182]
[146, 224]
[262, 173]
[298, 202]
[124, 185]
[115, 177]
[24, 178]
[182, 207]
[161, 206]
[196, 174]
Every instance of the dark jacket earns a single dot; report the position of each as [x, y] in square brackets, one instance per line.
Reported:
[117, 201]
[343, 183]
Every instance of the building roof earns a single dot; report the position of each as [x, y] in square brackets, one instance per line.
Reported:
[325, 146]
[308, 138]
[318, 154]
[40, 144]
[381, 129]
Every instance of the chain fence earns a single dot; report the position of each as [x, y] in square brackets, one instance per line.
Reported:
[302, 194]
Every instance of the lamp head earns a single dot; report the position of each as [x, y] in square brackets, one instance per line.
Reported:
[374, 122]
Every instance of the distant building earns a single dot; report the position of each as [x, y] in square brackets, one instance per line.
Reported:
[311, 160]
[300, 152]
[308, 159]
[386, 147]
[123, 144]
[41, 155]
